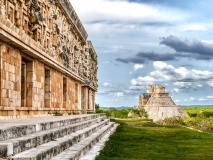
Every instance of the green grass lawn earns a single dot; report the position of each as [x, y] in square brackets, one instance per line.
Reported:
[138, 140]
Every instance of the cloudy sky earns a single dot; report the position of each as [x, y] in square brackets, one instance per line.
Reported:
[144, 42]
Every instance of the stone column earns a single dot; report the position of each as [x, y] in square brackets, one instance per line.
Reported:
[84, 99]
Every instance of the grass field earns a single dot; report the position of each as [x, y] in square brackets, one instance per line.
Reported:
[139, 140]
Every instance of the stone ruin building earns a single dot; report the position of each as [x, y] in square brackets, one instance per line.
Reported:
[158, 104]
[47, 64]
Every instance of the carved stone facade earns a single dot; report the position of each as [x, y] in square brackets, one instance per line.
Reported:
[47, 64]
[158, 104]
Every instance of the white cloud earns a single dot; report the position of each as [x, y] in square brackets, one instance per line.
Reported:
[141, 81]
[119, 94]
[138, 66]
[136, 87]
[176, 90]
[112, 100]
[102, 92]
[109, 85]
[195, 27]
[192, 98]
[123, 11]
[202, 99]
[210, 83]
[180, 77]
[106, 84]
[183, 84]
[209, 97]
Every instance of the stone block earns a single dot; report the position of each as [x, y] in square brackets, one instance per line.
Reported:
[7, 75]
[47, 103]
[18, 102]
[3, 74]
[29, 92]
[57, 105]
[29, 76]
[40, 91]
[35, 97]
[17, 86]
[10, 93]
[11, 102]
[18, 70]
[47, 95]
[47, 88]
[29, 102]
[40, 98]
[3, 84]
[5, 101]
[12, 77]
[35, 103]
[11, 85]
[29, 67]
[4, 93]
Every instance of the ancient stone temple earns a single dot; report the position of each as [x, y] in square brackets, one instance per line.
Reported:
[47, 64]
[158, 104]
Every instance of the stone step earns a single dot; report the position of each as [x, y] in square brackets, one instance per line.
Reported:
[17, 145]
[95, 150]
[18, 128]
[76, 151]
[52, 148]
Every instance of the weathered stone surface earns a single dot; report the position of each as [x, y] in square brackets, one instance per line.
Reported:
[47, 64]
[159, 105]
[56, 137]
[95, 150]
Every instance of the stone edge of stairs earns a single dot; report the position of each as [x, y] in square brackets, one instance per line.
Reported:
[21, 130]
[95, 150]
[52, 148]
[12, 146]
[78, 150]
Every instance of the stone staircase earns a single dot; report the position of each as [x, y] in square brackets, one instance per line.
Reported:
[52, 137]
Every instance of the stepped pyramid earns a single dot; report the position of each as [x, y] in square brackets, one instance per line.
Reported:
[159, 105]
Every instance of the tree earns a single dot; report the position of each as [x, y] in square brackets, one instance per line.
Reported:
[97, 108]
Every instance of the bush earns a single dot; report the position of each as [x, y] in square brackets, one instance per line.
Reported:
[118, 113]
[174, 121]
[206, 111]
[138, 113]
[200, 123]
[121, 113]
[56, 113]
[207, 114]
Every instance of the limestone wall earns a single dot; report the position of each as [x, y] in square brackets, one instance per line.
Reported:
[46, 61]
[10, 78]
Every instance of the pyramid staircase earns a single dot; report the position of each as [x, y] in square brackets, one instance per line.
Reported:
[52, 137]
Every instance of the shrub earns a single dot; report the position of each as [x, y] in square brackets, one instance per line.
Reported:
[200, 123]
[118, 113]
[174, 121]
[56, 113]
[207, 114]
[138, 113]
[97, 108]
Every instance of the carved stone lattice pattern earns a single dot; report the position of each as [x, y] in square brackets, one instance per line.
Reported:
[46, 61]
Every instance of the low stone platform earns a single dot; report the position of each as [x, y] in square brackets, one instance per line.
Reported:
[52, 137]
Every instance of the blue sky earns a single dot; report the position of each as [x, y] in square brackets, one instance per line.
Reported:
[144, 42]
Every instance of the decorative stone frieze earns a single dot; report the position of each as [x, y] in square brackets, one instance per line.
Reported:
[54, 62]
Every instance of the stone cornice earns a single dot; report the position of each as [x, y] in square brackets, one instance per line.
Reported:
[71, 14]
[12, 35]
